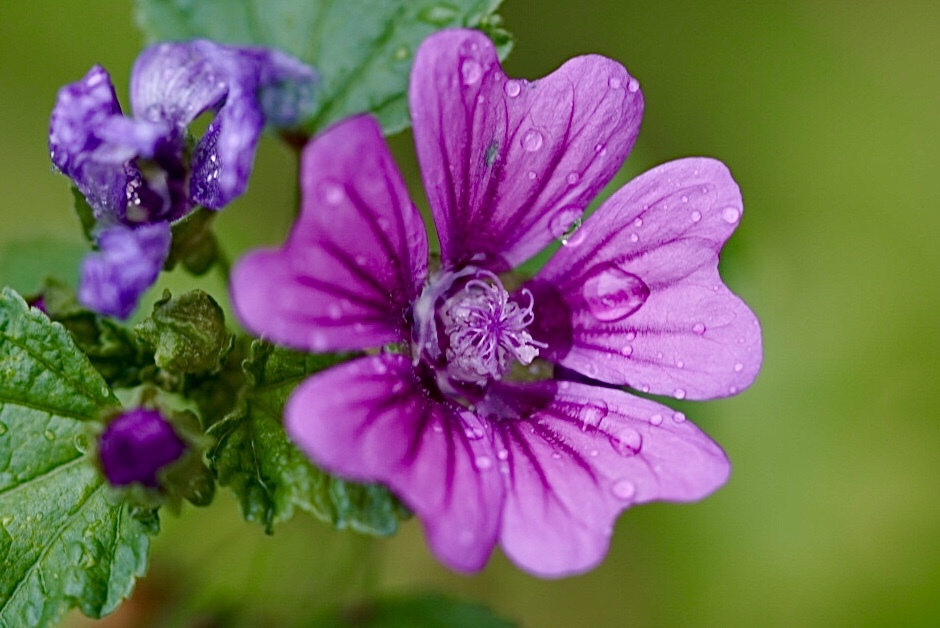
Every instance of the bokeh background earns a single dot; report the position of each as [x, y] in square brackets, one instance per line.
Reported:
[826, 112]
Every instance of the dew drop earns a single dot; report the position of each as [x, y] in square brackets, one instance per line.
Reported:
[645, 388]
[624, 489]
[437, 427]
[573, 178]
[502, 454]
[483, 463]
[679, 393]
[439, 15]
[556, 455]
[696, 216]
[678, 417]
[599, 148]
[633, 86]
[685, 199]
[738, 367]
[731, 215]
[627, 443]
[49, 435]
[680, 364]
[656, 419]
[627, 350]
[634, 237]
[732, 390]
[638, 222]
[593, 453]
[631, 336]
[592, 414]
[613, 294]
[614, 82]
[470, 71]
[81, 443]
[698, 328]
[565, 227]
[532, 140]
[531, 174]
[334, 311]
[331, 192]
[512, 88]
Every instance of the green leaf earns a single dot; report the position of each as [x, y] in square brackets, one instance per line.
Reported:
[268, 474]
[428, 610]
[63, 540]
[362, 49]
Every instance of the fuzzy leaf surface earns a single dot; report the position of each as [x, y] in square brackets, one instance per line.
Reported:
[64, 539]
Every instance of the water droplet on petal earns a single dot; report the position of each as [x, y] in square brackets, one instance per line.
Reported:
[633, 85]
[49, 435]
[502, 454]
[624, 489]
[638, 222]
[614, 82]
[532, 140]
[592, 414]
[698, 328]
[573, 178]
[512, 88]
[656, 419]
[679, 393]
[678, 417]
[531, 174]
[696, 216]
[627, 350]
[731, 215]
[565, 227]
[483, 463]
[634, 237]
[470, 71]
[331, 192]
[613, 294]
[631, 336]
[628, 442]
[738, 367]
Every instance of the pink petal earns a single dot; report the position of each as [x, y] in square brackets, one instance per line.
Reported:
[356, 258]
[641, 289]
[371, 420]
[581, 455]
[509, 164]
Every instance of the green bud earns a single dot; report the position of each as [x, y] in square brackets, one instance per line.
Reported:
[188, 333]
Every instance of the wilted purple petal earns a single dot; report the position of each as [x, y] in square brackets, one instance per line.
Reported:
[579, 456]
[508, 164]
[81, 109]
[176, 82]
[355, 260]
[136, 446]
[642, 290]
[371, 420]
[124, 267]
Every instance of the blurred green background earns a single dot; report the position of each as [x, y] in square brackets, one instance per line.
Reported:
[826, 112]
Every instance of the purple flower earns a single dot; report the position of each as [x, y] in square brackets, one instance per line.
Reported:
[460, 415]
[136, 446]
[139, 171]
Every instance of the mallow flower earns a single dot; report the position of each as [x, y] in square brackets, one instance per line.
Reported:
[493, 406]
[139, 174]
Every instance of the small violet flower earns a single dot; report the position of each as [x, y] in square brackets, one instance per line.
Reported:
[139, 175]
[136, 445]
[461, 414]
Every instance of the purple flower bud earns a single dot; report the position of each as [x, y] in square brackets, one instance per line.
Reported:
[136, 446]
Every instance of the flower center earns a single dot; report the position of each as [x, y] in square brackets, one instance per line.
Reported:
[485, 330]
